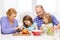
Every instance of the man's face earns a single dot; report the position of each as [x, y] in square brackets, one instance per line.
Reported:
[39, 11]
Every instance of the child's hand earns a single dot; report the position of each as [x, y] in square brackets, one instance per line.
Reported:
[26, 28]
[41, 28]
[52, 28]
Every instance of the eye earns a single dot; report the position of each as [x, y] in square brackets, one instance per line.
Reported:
[39, 12]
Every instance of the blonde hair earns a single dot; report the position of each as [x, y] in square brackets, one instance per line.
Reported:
[11, 11]
[48, 16]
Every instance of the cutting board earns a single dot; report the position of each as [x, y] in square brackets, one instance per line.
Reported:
[20, 34]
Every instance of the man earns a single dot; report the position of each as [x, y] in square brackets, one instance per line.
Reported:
[40, 12]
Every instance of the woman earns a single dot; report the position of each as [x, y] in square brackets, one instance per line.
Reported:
[9, 24]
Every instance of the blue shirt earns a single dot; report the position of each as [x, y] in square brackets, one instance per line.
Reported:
[39, 21]
[32, 27]
[6, 28]
[0, 21]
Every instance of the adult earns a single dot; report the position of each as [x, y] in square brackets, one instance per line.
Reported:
[40, 12]
[8, 23]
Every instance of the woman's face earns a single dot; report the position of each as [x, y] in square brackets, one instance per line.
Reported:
[12, 17]
[28, 23]
[45, 20]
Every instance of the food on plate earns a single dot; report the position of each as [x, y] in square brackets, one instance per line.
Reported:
[24, 31]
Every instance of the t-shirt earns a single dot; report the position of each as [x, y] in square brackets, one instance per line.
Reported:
[32, 27]
[45, 27]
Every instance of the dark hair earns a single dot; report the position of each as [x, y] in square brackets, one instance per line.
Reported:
[28, 18]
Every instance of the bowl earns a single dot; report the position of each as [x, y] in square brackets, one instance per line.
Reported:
[37, 32]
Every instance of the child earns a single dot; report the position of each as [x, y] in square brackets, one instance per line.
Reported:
[28, 23]
[47, 26]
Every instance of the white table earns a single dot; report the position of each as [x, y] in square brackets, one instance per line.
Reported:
[42, 37]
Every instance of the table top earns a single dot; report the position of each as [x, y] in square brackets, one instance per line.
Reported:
[17, 36]
[31, 37]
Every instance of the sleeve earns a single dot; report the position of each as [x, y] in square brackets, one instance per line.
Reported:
[54, 20]
[35, 20]
[4, 28]
[43, 25]
[50, 24]
[0, 21]
[35, 24]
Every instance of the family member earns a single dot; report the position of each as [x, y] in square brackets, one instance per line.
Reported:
[29, 24]
[8, 23]
[40, 12]
[47, 23]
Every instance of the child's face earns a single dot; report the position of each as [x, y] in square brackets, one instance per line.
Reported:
[27, 23]
[45, 20]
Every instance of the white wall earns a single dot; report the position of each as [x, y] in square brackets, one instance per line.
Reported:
[6, 5]
[1, 5]
[51, 6]
[23, 6]
[58, 10]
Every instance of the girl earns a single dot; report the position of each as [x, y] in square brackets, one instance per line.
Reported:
[47, 26]
[28, 23]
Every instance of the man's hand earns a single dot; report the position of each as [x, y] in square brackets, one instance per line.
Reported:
[57, 27]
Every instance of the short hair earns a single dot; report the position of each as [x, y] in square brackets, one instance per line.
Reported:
[27, 18]
[48, 16]
[39, 6]
[11, 11]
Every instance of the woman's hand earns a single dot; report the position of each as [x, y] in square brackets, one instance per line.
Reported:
[17, 28]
